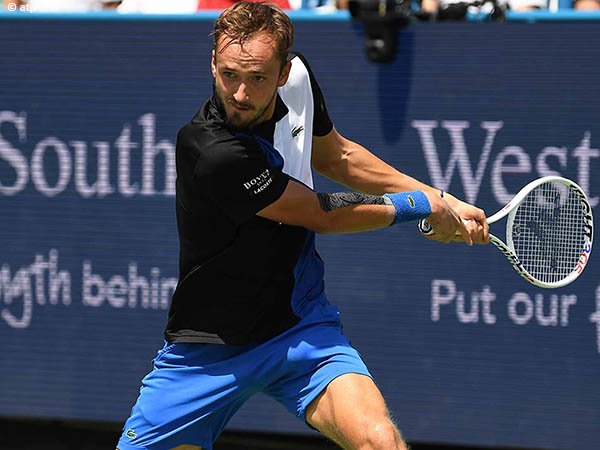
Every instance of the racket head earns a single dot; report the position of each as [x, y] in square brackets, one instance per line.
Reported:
[550, 230]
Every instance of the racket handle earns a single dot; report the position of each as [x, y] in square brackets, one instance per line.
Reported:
[424, 228]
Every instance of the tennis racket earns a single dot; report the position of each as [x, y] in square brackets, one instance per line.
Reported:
[549, 231]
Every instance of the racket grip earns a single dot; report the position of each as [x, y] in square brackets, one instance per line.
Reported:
[424, 228]
[427, 230]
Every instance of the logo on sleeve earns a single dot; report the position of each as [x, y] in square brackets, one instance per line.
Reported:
[258, 184]
[296, 131]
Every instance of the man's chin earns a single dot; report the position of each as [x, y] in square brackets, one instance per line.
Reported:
[237, 122]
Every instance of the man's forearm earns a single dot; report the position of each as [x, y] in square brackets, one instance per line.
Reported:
[351, 211]
[356, 218]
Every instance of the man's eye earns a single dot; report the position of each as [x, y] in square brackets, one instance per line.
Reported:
[259, 78]
[228, 74]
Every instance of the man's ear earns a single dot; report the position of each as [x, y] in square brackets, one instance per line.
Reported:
[213, 64]
[285, 73]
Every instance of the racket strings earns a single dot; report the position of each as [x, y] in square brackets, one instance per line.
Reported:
[548, 232]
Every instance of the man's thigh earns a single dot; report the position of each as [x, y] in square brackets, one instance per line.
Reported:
[352, 412]
[314, 357]
[188, 398]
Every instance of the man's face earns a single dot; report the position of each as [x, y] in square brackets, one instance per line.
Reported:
[247, 78]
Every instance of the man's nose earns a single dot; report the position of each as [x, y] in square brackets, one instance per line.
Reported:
[241, 94]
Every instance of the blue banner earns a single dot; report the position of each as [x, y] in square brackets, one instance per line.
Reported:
[464, 350]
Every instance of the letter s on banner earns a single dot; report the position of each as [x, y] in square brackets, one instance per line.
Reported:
[13, 156]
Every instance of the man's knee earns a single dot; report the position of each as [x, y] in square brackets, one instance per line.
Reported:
[381, 435]
[351, 411]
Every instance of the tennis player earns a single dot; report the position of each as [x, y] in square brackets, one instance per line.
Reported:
[250, 313]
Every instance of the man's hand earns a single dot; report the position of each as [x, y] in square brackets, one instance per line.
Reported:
[475, 218]
[453, 220]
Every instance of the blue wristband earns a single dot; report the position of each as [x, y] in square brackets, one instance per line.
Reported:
[413, 205]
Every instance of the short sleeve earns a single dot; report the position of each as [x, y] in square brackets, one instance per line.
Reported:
[322, 123]
[235, 174]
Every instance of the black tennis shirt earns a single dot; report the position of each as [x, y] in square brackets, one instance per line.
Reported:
[243, 278]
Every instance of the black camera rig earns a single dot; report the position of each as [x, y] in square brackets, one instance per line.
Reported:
[382, 19]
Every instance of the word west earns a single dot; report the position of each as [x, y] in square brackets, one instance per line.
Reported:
[499, 165]
[521, 308]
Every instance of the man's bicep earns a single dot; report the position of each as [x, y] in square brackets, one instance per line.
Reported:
[328, 154]
[298, 205]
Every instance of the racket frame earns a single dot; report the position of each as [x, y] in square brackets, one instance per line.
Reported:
[508, 250]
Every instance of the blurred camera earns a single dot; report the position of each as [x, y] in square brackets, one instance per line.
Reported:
[381, 19]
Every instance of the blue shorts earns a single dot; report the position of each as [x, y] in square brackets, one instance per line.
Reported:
[195, 389]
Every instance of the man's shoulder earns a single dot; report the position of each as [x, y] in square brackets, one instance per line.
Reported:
[203, 133]
[297, 56]
[193, 133]
[301, 76]
[212, 142]
[300, 67]
[199, 128]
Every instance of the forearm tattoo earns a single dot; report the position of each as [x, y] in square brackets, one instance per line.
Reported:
[329, 202]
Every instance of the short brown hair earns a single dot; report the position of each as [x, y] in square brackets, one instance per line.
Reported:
[244, 20]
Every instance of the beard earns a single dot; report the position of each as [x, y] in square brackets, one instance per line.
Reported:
[253, 115]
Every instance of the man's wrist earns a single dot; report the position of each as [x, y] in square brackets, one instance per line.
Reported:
[409, 206]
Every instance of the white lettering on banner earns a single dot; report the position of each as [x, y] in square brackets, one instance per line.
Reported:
[119, 292]
[443, 292]
[520, 316]
[545, 310]
[19, 288]
[459, 156]
[542, 166]
[43, 284]
[595, 318]
[521, 309]
[86, 167]
[125, 146]
[101, 187]
[510, 160]
[522, 165]
[38, 174]
[72, 159]
[13, 156]
[583, 153]
[151, 150]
